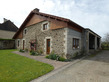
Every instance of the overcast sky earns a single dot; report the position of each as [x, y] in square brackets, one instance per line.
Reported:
[93, 14]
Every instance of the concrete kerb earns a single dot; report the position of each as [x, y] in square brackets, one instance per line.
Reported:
[44, 77]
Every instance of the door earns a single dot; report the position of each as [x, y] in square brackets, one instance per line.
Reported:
[23, 44]
[48, 46]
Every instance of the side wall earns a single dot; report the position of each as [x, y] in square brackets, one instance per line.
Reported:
[69, 43]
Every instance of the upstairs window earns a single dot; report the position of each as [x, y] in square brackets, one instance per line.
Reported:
[25, 31]
[75, 43]
[45, 26]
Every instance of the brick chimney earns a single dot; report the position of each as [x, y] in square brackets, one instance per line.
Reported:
[36, 10]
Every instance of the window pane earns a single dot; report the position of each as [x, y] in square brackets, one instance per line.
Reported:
[75, 43]
[45, 26]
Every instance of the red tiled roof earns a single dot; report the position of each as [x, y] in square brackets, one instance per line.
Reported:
[46, 15]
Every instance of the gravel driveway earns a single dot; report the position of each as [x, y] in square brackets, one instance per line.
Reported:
[94, 69]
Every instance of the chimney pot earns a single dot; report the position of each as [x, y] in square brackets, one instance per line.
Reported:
[5, 19]
[36, 10]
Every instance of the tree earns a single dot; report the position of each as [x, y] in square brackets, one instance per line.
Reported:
[105, 42]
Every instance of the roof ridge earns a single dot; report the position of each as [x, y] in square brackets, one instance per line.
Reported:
[53, 16]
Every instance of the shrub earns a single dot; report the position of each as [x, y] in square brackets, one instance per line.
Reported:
[55, 57]
[26, 50]
[34, 53]
[61, 59]
[21, 50]
[39, 52]
[47, 57]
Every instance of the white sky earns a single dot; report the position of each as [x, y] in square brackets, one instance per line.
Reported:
[93, 14]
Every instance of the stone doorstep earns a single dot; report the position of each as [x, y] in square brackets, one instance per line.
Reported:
[44, 77]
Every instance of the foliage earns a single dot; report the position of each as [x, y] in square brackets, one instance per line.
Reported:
[21, 50]
[105, 46]
[34, 53]
[54, 56]
[26, 50]
[39, 52]
[105, 43]
[16, 68]
[61, 59]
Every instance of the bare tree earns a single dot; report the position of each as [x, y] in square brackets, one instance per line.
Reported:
[106, 39]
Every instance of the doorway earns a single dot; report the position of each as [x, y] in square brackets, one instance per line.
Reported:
[48, 46]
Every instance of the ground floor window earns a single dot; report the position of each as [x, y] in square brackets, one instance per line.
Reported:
[75, 43]
[18, 43]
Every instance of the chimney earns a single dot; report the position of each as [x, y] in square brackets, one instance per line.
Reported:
[5, 19]
[36, 10]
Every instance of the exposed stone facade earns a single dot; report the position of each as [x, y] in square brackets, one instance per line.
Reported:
[61, 40]
[35, 32]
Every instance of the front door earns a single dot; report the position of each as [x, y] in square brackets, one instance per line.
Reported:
[48, 46]
[23, 44]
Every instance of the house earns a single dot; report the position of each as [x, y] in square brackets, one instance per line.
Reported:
[7, 29]
[49, 33]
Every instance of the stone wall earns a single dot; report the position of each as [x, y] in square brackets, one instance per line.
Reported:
[35, 32]
[7, 44]
[6, 34]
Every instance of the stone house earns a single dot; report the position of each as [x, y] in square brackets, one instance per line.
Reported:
[49, 33]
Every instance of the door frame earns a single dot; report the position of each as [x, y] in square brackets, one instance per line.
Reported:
[45, 47]
[48, 47]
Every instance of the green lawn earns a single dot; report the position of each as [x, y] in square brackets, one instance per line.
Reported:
[16, 68]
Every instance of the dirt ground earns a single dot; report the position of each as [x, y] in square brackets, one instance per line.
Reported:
[95, 69]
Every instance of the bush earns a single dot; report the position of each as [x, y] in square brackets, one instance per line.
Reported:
[26, 50]
[61, 59]
[21, 50]
[39, 52]
[47, 57]
[55, 57]
[34, 53]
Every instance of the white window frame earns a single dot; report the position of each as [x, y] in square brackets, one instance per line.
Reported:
[24, 31]
[46, 22]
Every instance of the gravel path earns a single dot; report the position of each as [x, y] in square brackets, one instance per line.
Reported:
[56, 64]
[94, 69]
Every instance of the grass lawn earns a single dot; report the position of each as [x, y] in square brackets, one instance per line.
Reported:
[16, 68]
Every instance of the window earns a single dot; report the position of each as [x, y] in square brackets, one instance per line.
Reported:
[18, 43]
[75, 43]
[25, 30]
[45, 26]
